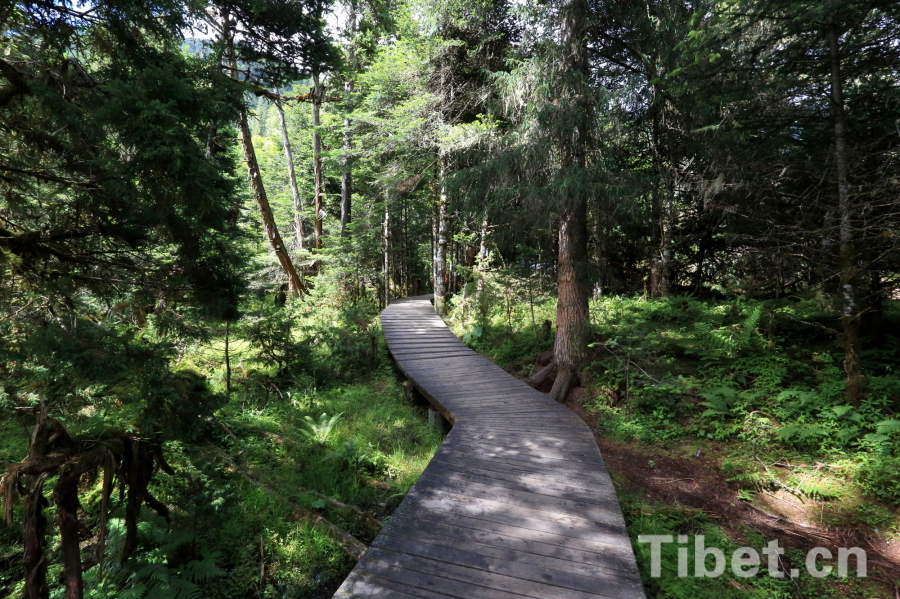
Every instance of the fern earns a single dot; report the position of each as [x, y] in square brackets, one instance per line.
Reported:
[748, 326]
[816, 488]
[151, 574]
[319, 431]
[203, 570]
[800, 432]
[719, 401]
[888, 427]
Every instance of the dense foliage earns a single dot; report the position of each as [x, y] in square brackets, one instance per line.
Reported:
[686, 209]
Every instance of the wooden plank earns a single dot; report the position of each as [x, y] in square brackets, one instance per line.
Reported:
[596, 545]
[558, 423]
[361, 586]
[486, 542]
[490, 553]
[574, 472]
[511, 396]
[397, 570]
[582, 513]
[537, 438]
[498, 384]
[493, 584]
[511, 448]
[555, 495]
[434, 344]
[445, 354]
[505, 509]
[540, 485]
[549, 457]
[606, 583]
[524, 473]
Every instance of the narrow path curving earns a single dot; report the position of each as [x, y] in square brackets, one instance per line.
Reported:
[515, 503]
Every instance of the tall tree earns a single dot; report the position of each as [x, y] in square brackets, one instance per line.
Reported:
[827, 68]
[296, 202]
[572, 317]
[347, 160]
[316, 96]
[551, 154]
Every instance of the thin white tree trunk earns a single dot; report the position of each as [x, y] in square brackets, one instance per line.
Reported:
[296, 201]
[317, 160]
[440, 245]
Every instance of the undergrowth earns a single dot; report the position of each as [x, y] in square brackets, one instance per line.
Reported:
[315, 423]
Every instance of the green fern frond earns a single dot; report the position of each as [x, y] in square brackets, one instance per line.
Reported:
[817, 489]
[201, 571]
[319, 431]
[153, 572]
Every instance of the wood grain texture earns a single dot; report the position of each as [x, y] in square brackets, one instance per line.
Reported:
[516, 502]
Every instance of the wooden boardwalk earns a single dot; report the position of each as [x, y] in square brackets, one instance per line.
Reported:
[516, 502]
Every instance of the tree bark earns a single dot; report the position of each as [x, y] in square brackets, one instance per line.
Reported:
[660, 250]
[34, 560]
[296, 201]
[483, 254]
[295, 283]
[387, 251]
[66, 495]
[847, 256]
[572, 316]
[316, 97]
[440, 245]
[347, 176]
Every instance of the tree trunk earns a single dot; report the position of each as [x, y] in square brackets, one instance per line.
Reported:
[572, 316]
[847, 257]
[228, 357]
[387, 252]
[483, 254]
[440, 245]
[34, 560]
[66, 495]
[347, 176]
[660, 252]
[292, 176]
[317, 160]
[294, 281]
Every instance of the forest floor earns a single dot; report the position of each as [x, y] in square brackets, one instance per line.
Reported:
[689, 477]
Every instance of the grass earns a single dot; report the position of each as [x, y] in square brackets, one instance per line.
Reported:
[369, 459]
